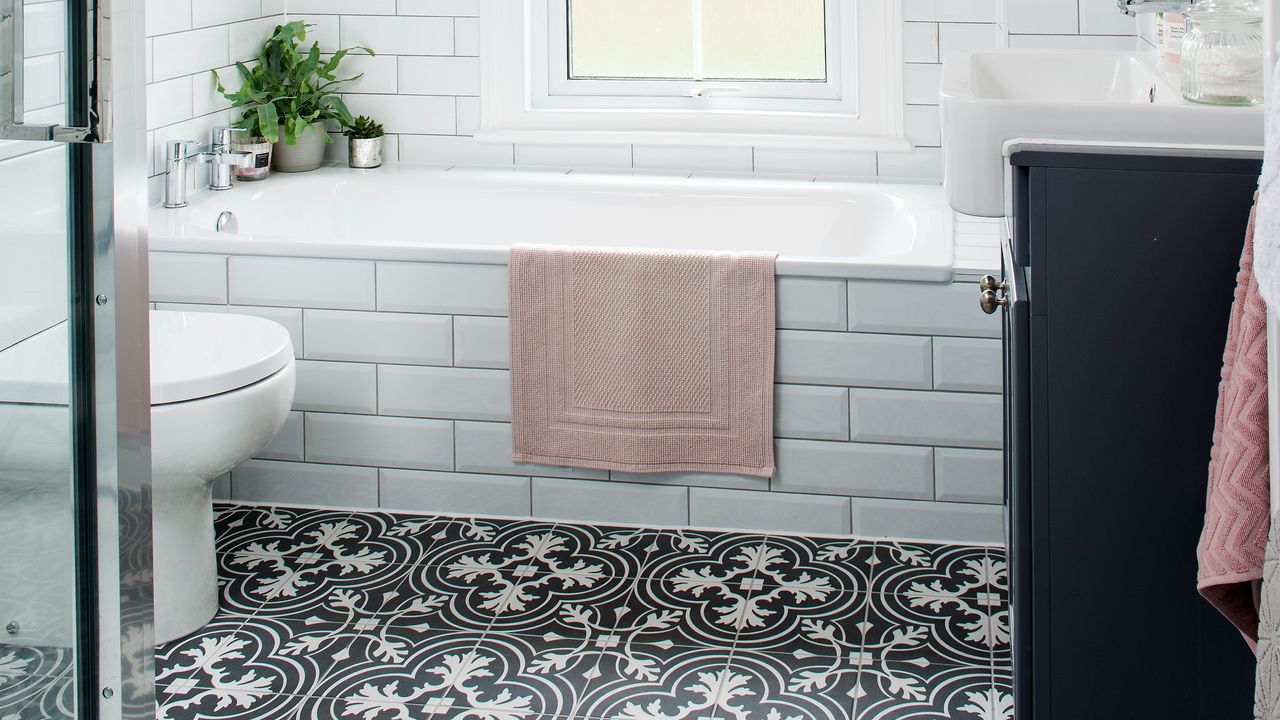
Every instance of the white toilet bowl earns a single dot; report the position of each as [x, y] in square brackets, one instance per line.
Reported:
[221, 387]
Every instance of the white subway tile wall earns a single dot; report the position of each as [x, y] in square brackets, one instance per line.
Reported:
[186, 40]
[425, 83]
[411, 402]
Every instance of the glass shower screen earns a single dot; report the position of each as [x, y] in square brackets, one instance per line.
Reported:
[63, 632]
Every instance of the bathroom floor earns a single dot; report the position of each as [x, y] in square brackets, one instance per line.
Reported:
[371, 615]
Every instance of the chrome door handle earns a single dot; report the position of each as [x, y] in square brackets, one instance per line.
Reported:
[13, 125]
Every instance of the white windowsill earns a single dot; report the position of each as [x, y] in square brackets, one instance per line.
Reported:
[617, 137]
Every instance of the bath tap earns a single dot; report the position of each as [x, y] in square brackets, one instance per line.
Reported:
[1142, 7]
[218, 153]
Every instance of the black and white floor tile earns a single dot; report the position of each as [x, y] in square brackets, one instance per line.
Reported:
[381, 616]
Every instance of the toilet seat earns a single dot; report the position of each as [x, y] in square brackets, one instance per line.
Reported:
[199, 355]
[193, 356]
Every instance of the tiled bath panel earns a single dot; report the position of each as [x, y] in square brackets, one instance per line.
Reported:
[887, 403]
[329, 614]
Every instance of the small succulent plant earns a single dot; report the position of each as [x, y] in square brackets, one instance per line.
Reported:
[364, 128]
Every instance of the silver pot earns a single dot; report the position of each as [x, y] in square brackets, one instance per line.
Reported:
[306, 154]
[364, 152]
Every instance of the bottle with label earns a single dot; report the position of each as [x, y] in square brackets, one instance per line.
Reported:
[1170, 29]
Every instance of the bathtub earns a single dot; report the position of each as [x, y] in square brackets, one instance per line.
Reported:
[472, 216]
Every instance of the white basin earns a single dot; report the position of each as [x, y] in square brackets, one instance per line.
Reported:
[991, 97]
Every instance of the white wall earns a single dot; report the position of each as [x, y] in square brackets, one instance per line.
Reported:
[186, 39]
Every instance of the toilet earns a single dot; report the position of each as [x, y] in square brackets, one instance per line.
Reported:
[221, 387]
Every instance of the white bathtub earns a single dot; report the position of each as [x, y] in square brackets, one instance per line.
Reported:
[437, 214]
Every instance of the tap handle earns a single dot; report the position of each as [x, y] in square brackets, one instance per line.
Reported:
[221, 136]
[176, 151]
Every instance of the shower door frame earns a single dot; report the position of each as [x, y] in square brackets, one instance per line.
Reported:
[108, 322]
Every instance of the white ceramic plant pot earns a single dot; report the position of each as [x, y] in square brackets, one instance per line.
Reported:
[306, 154]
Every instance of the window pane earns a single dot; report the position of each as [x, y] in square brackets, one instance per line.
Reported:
[764, 40]
[698, 39]
[630, 39]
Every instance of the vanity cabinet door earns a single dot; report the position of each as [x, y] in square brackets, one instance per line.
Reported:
[1133, 282]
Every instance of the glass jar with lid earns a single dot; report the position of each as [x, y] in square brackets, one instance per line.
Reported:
[1222, 53]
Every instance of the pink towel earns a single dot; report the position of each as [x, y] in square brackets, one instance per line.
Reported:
[1237, 513]
[642, 361]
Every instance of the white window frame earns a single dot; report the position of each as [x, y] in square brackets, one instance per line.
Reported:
[527, 96]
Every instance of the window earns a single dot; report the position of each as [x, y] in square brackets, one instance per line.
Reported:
[783, 73]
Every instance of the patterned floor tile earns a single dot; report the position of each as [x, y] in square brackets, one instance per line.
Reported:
[836, 564]
[527, 592]
[915, 568]
[330, 565]
[639, 682]
[496, 676]
[940, 629]
[763, 685]
[898, 691]
[374, 615]
[268, 529]
[246, 664]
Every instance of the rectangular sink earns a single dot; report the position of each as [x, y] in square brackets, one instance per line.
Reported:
[993, 96]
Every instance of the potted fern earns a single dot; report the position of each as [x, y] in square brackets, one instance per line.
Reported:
[288, 96]
[364, 143]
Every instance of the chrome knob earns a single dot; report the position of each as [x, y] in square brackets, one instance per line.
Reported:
[990, 302]
[989, 282]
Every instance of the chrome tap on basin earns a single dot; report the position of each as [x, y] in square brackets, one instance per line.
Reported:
[1143, 7]
[218, 153]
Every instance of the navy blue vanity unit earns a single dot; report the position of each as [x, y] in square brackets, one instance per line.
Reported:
[1117, 284]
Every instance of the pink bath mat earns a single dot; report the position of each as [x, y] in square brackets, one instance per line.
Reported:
[642, 360]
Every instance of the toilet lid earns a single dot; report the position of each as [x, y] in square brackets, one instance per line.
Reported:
[196, 355]
[193, 355]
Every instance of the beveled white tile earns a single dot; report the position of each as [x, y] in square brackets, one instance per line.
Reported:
[461, 393]
[929, 521]
[919, 308]
[363, 7]
[466, 36]
[190, 52]
[188, 278]
[854, 469]
[481, 342]
[920, 42]
[694, 479]
[453, 492]
[167, 16]
[301, 282]
[812, 303]
[389, 442]
[767, 511]
[862, 359]
[305, 483]
[439, 75]
[485, 447]
[336, 387]
[811, 411]
[968, 365]
[451, 150]
[408, 114]
[619, 502]
[287, 444]
[973, 476]
[442, 288]
[379, 337]
[926, 418]
[220, 12]
[438, 7]
[403, 35]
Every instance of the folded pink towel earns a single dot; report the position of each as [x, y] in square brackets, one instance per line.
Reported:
[642, 361]
[1238, 509]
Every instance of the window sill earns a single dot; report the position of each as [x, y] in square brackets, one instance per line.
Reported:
[703, 139]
